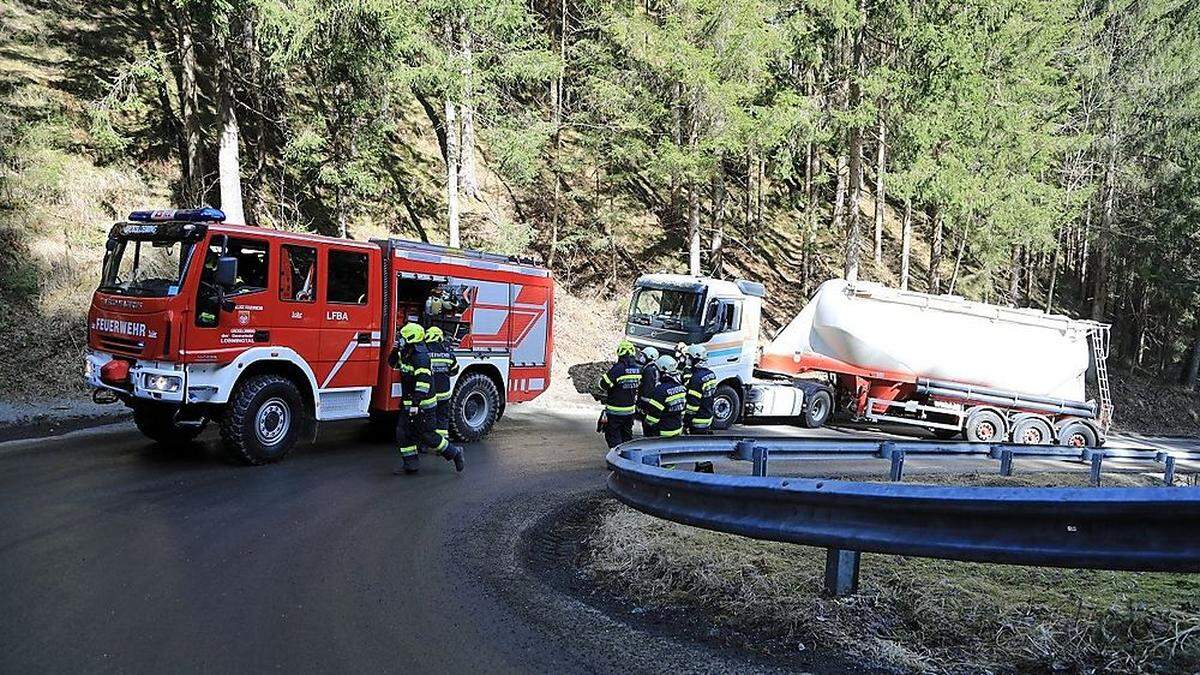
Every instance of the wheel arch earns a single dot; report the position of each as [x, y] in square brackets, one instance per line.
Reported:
[493, 374]
[289, 370]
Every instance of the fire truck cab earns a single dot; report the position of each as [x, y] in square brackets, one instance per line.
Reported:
[266, 332]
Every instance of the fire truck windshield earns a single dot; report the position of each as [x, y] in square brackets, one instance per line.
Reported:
[145, 267]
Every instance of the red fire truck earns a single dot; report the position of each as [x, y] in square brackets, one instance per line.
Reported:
[266, 332]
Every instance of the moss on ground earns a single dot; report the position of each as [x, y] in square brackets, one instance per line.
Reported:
[911, 613]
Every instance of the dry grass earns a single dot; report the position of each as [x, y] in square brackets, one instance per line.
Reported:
[911, 614]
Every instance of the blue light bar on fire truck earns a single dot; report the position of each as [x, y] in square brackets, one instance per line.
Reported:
[204, 215]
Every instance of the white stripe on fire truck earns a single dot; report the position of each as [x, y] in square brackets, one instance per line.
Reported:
[338, 366]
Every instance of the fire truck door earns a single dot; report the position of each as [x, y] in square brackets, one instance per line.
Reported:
[350, 334]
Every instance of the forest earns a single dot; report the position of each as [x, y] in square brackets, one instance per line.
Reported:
[1036, 153]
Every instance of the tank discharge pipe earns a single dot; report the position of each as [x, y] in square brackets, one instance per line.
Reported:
[959, 392]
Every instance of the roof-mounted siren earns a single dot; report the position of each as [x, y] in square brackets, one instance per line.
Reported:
[203, 215]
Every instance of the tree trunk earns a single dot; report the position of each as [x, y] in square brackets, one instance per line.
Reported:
[935, 250]
[839, 195]
[693, 199]
[880, 195]
[718, 207]
[193, 163]
[1193, 370]
[1100, 287]
[467, 170]
[962, 247]
[556, 115]
[1053, 280]
[228, 160]
[906, 243]
[452, 153]
[1014, 285]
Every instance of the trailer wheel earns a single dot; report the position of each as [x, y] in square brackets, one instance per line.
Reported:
[985, 426]
[817, 409]
[474, 407]
[1076, 433]
[262, 421]
[157, 422]
[727, 407]
[1032, 430]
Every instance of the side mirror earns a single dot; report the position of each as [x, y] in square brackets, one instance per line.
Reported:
[227, 272]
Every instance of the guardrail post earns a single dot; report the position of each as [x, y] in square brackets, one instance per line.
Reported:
[1169, 470]
[897, 465]
[1097, 462]
[760, 460]
[744, 450]
[1006, 462]
[841, 572]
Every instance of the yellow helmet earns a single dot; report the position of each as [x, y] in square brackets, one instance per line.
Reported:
[412, 333]
[626, 348]
[433, 334]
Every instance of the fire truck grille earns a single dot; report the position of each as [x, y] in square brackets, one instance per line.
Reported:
[121, 344]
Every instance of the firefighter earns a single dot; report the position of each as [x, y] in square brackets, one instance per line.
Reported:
[444, 366]
[665, 406]
[416, 425]
[647, 358]
[701, 384]
[619, 389]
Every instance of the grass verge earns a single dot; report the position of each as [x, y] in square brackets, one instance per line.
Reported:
[911, 613]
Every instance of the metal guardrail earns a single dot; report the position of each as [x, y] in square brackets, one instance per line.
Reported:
[1141, 529]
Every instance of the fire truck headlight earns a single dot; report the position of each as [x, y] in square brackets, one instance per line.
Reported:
[163, 383]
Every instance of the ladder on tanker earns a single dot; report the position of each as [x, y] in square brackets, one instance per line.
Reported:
[1099, 337]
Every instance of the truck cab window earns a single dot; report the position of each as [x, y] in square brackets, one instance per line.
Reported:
[253, 259]
[347, 277]
[297, 273]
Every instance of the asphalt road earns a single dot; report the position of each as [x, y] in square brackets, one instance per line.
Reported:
[118, 555]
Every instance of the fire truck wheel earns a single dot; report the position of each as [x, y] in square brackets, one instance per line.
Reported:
[474, 408]
[986, 426]
[817, 409]
[158, 424]
[727, 407]
[261, 423]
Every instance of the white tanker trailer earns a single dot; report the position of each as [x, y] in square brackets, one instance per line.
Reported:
[950, 365]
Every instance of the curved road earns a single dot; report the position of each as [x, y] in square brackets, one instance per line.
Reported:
[118, 555]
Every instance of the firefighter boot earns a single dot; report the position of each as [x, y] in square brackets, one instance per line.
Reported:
[408, 464]
[453, 453]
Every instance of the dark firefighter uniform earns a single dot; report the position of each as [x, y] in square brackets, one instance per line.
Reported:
[649, 381]
[701, 384]
[664, 408]
[445, 366]
[416, 426]
[619, 389]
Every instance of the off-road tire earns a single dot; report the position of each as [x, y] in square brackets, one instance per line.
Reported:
[735, 406]
[239, 433]
[818, 408]
[157, 422]
[478, 392]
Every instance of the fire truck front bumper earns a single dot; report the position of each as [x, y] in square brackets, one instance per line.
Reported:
[149, 380]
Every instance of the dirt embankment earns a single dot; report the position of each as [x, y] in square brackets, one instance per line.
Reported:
[1149, 407]
[912, 614]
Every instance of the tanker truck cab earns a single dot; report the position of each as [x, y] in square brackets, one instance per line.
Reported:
[722, 315]
[267, 332]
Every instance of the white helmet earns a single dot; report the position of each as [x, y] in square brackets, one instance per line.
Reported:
[697, 353]
[667, 364]
[649, 354]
